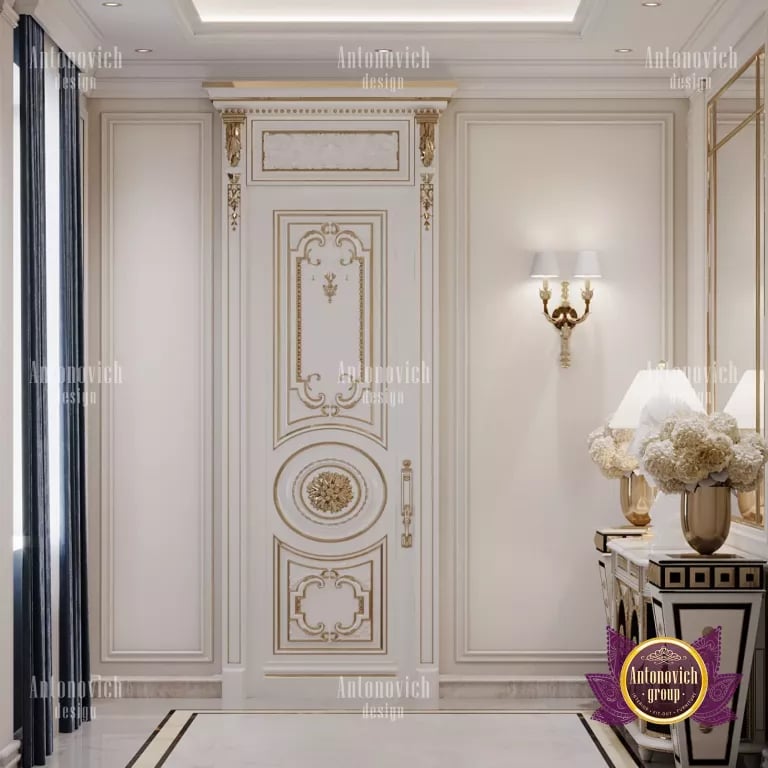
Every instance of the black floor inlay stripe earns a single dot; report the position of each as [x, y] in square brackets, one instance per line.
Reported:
[178, 738]
[596, 742]
[149, 740]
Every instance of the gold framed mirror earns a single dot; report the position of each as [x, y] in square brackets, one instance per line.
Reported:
[735, 257]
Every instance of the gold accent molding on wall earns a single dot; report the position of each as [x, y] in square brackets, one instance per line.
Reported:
[427, 199]
[233, 200]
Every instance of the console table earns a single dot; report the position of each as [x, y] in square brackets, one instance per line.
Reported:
[649, 592]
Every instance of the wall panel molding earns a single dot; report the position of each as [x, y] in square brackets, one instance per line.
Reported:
[465, 647]
[157, 425]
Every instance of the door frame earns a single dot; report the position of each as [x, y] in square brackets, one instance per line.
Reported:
[234, 103]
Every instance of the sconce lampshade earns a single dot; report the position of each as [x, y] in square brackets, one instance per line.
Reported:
[742, 404]
[587, 265]
[544, 265]
[648, 384]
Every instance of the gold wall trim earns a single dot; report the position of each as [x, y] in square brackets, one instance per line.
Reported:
[233, 200]
[427, 199]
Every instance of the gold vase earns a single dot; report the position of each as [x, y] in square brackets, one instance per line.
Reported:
[705, 515]
[636, 499]
[747, 505]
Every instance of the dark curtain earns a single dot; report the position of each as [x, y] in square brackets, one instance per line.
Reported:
[75, 701]
[37, 719]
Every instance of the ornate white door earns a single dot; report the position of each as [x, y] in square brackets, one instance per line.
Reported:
[334, 224]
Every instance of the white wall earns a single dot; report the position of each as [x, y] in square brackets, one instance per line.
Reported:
[519, 588]
[151, 435]
[520, 593]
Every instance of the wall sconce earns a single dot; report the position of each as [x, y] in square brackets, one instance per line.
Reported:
[565, 318]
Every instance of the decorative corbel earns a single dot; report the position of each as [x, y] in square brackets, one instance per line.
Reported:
[234, 120]
[427, 120]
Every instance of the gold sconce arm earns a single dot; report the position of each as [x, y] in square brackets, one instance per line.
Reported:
[565, 318]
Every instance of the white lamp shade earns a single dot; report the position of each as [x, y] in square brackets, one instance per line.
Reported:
[743, 402]
[587, 265]
[647, 385]
[544, 265]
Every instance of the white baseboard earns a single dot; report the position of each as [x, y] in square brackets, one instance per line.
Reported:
[510, 687]
[230, 687]
[128, 687]
[10, 756]
[233, 686]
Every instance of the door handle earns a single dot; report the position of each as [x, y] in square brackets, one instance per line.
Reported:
[406, 501]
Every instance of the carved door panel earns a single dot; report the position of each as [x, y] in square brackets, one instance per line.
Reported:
[334, 428]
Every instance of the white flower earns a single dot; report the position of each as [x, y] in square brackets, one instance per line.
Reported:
[608, 449]
[688, 450]
[725, 423]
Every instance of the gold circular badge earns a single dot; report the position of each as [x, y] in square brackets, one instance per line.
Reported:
[664, 680]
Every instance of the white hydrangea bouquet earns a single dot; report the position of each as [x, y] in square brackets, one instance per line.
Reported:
[688, 450]
[609, 449]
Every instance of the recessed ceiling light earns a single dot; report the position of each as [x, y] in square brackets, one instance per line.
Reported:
[383, 50]
[112, 5]
[651, 5]
[143, 50]
[623, 50]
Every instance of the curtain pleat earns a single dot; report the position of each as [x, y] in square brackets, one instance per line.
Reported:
[75, 700]
[37, 720]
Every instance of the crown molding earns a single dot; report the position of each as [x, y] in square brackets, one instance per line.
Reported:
[8, 13]
[725, 24]
[589, 87]
[64, 22]
[554, 78]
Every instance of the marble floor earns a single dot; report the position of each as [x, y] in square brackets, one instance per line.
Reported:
[199, 734]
